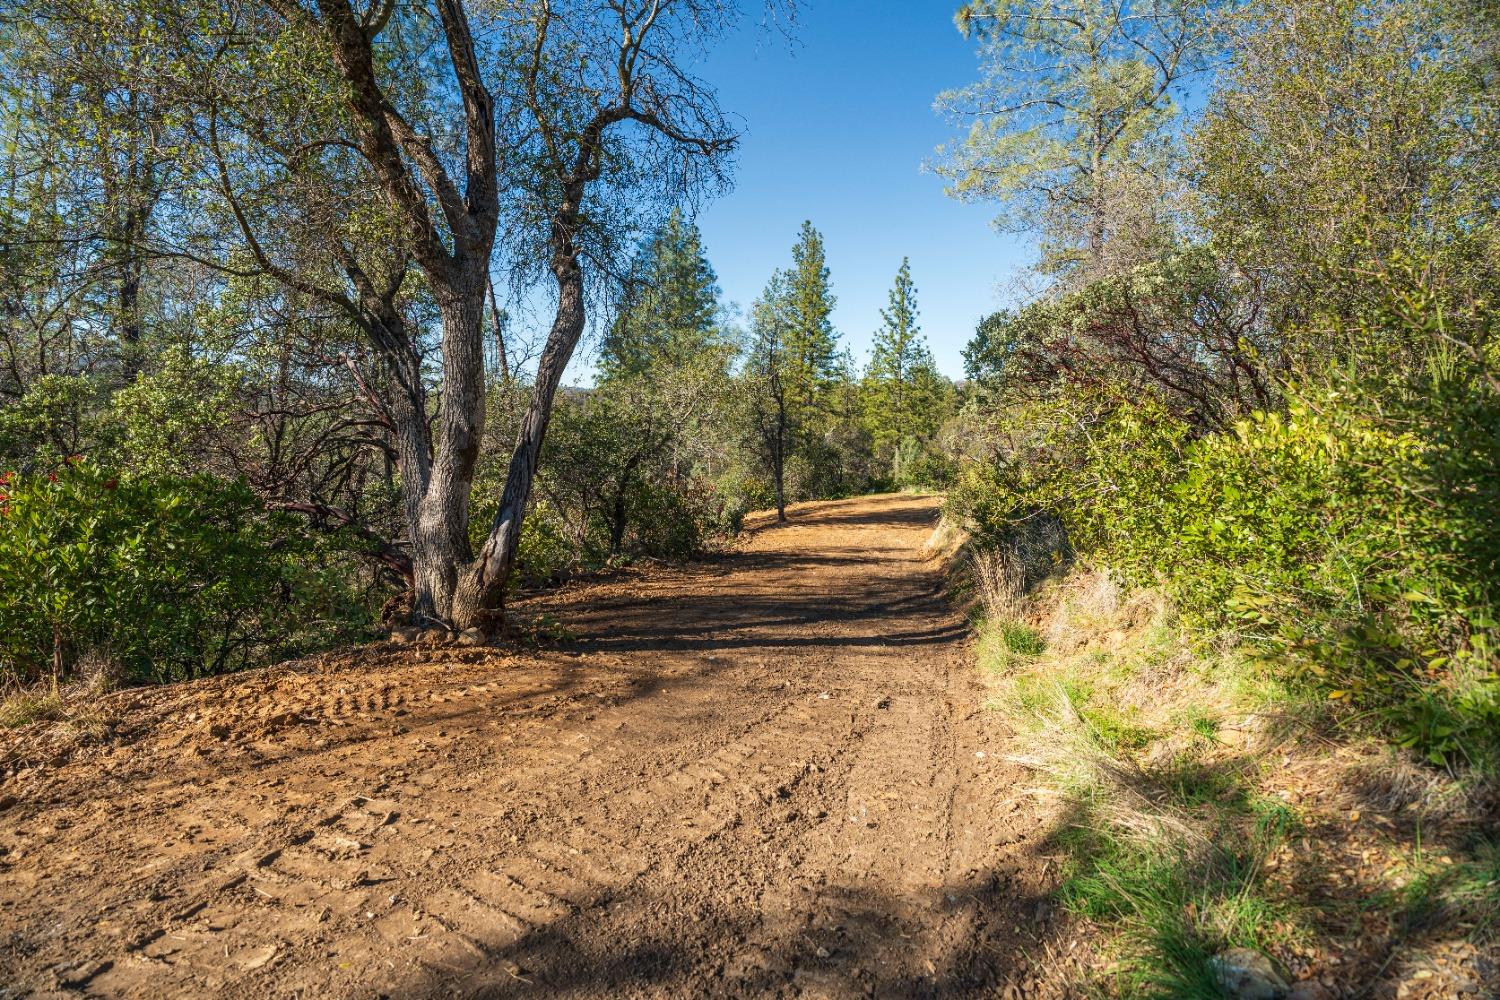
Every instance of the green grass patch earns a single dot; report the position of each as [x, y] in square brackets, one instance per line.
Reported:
[1172, 906]
[1114, 729]
[1007, 646]
[1023, 640]
[1168, 837]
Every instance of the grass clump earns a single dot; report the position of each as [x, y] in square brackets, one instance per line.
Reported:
[1021, 639]
[25, 708]
[1172, 904]
[72, 709]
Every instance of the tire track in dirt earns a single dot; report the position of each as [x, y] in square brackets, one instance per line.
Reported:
[762, 776]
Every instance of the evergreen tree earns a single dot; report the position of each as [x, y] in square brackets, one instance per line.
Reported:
[670, 313]
[903, 390]
[812, 350]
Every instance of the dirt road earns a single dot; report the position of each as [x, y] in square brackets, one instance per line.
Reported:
[766, 775]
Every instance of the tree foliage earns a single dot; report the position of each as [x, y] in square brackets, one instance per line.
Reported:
[1285, 417]
[903, 392]
[1069, 126]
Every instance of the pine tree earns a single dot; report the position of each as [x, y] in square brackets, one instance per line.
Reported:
[671, 309]
[1069, 127]
[903, 390]
[812, 348]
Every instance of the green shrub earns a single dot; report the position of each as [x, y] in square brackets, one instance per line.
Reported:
[670, 521]
[1358, 538]
[740, 491]
[160, 578]
[546, 552]
[1354, 537]
[53, 417]
[920, 466]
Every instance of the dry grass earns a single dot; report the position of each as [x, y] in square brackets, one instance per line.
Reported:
[999, 583]
[25, 708]
[73, 708]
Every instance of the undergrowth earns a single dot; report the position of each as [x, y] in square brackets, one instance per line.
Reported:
[1171, 759]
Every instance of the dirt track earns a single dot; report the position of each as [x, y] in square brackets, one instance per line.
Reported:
[767, 775]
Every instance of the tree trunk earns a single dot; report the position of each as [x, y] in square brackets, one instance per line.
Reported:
[440, 527]
[617, 522]
[778, 468]
[129, 295]
[476, 601]
[618, 511]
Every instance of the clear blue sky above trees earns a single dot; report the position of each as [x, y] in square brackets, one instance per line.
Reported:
[836, 123]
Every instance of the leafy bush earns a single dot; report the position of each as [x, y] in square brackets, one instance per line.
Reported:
[740, 491]
[51, 418]
[1354, 536]
[160, 578]
[166, 418]
[1089, 459]
[1363, 543]
[917, 465]
[545, 553]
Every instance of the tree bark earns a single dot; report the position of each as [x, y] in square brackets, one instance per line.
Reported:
[476, 602]
[440, 532]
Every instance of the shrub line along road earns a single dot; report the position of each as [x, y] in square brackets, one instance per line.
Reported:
[764, 775]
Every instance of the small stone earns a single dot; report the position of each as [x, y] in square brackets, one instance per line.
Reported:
[473, 637]
[1309, 989]
[822, 952]
[1246, 974]
[260, 958]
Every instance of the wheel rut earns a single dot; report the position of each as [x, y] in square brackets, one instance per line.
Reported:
[765, 775]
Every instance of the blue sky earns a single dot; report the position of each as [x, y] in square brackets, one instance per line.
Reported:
[837, 123]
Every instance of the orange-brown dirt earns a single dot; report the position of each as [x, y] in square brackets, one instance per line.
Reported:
[764, 775]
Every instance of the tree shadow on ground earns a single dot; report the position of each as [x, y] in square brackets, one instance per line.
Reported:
[972, 939]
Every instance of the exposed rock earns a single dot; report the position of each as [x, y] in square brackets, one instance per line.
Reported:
[1309, 989]
[1246, 974]
[473, 637]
